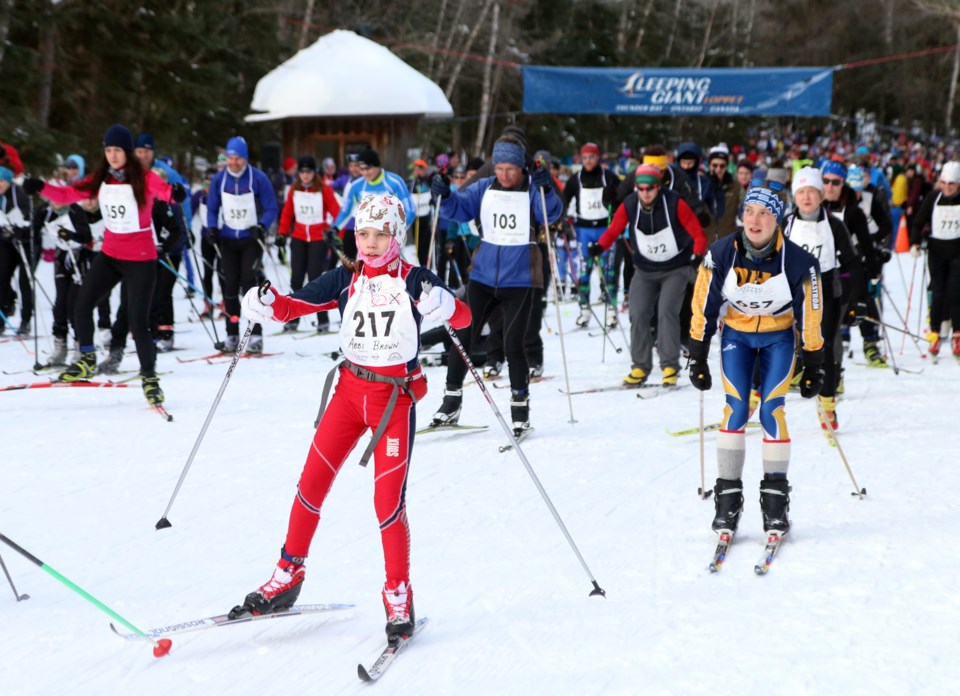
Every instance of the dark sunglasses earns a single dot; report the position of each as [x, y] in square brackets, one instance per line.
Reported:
[645, 189]
[307, 169]
[833, 182]
[766, 183]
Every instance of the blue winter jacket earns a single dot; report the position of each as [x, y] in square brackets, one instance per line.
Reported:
[388, 182]
[504, 266]
[237, 185]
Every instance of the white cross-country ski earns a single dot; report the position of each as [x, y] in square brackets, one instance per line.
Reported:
[520, 438]
[725, 538]
[656, 390]
[774, 540]
[389, 654]
[224, 620]
[454, 427]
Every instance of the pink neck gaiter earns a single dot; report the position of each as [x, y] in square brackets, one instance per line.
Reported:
[377, 261]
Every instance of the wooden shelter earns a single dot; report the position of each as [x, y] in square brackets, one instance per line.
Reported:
[344, 93]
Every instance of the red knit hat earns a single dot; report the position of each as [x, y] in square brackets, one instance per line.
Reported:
[590, 149]
[647, 174]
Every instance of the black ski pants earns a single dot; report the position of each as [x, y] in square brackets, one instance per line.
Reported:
[309, 260]
[515, 304]
[138, 278]
[242, 262]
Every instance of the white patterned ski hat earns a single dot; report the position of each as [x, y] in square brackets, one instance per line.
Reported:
[766, 197]
[383, 211]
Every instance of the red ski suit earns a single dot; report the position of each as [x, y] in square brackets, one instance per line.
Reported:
[359, 404]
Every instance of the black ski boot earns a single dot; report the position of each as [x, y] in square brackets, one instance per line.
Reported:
[279, 593]
[728, 498]
[449, 411]
[82, 370]
[775, 503]
[520, 411]
[152, 390]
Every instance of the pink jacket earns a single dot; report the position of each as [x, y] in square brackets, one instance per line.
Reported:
[136, 246]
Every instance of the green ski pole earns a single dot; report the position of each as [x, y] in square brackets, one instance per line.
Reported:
[160, 647]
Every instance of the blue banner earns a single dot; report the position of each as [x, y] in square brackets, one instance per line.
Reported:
[678, 91]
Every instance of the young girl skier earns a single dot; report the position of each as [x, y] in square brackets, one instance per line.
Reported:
[382, 300]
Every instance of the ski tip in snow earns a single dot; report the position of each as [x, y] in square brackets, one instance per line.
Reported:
[388, 655]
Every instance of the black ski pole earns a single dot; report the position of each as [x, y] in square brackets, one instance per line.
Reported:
[554, 267]
[191, 244]
[597, 590]
[37, 365]
[160, 647]
[169, 265]
[163, 523]
[20, 597]
[216, 343]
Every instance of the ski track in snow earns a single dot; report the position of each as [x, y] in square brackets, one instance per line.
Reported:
[861, 599]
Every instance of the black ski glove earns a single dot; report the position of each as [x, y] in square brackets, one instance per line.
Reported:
[542, 178]
[33, 185]
[857, 312]
[700, 375]
[812, 379]
[178, 193]
[699, 369]
[594, 249]
[440, 186]
[258, 232]
[332, 237]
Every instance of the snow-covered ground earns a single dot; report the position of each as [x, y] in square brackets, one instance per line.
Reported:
[862, 599]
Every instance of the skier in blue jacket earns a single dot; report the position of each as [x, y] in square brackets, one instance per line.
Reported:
[507, 265]
[248, 203]
[374, 179]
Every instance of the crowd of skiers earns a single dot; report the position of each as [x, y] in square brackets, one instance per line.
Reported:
[776, 246]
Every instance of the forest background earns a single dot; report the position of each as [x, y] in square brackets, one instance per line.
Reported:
[185, 70]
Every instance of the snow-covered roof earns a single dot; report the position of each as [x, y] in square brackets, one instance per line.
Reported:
[344, 74]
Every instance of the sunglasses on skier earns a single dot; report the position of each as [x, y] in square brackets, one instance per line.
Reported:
[645, 189]
[833, 182]
[766, 183]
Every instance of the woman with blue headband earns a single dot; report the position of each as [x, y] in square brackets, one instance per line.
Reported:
[764, 292]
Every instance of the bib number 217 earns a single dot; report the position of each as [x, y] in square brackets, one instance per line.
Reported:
[358, 317]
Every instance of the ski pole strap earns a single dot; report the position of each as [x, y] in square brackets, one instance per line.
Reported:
[363, 373]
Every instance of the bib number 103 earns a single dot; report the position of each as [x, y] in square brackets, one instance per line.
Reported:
[503, 221]
[362, 319]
